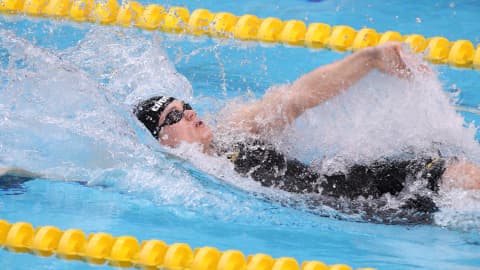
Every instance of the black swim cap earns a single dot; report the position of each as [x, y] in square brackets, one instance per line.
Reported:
[149, 111]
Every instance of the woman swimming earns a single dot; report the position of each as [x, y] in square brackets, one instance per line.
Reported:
[172, 122]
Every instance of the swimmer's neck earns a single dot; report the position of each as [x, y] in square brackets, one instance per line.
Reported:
[209, 146]
[209, 149]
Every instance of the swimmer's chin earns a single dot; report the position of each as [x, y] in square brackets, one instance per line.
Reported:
[205, 143]
[206, 138]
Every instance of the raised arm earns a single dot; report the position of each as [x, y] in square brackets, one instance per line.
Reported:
[281, 106]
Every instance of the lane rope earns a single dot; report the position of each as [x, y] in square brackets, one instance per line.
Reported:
[437, 50]
[127, 251]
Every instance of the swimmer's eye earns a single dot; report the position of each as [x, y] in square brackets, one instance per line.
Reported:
[174, 116]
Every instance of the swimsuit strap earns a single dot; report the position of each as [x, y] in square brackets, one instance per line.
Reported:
[433, 172]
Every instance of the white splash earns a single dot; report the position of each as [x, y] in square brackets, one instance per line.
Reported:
[63, 116]
[133, 65]
[382, 116]
[69, 112]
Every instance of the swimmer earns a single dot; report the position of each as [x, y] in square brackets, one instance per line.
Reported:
[172, 122]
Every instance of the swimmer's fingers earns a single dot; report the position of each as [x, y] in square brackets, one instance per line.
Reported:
[393, 60]
[416, 66]
[389, 60]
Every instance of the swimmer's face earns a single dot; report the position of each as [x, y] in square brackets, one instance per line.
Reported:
[189, 129]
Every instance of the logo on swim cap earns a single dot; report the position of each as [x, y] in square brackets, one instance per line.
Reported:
[159, 103]
[149, 111]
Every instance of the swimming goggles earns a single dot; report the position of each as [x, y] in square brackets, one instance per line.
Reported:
[174, 116]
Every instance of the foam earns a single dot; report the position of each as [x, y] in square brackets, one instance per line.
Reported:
[383, 116]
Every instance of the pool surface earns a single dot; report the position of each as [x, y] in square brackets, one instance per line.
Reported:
[66, 92]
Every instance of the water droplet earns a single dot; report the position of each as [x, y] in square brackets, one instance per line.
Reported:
[418, 20]
[452, 4]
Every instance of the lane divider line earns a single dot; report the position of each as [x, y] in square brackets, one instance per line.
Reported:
[127, 251]
[437, 50]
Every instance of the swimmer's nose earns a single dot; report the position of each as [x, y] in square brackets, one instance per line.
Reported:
[190, 115]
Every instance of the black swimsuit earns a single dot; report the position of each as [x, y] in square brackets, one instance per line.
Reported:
[273, 169]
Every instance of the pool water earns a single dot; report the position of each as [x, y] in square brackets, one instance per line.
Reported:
[66, 95]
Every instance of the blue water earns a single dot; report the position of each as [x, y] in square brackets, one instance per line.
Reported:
[279, 231]
[64, 111]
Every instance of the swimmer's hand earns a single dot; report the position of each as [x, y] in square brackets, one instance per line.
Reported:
[19, 172]
[391, 59]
